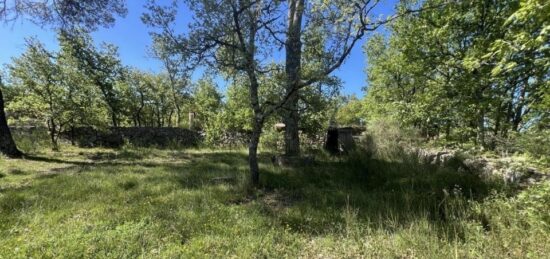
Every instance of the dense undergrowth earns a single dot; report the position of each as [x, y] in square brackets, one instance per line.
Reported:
[138, 202]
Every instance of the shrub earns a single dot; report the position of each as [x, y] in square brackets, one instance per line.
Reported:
[31, 140]
[535, 143]
[387, 138]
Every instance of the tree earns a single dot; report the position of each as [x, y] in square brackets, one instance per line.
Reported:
[136, 93]
[177, 74]
[225, 35]
[84, 100]
[102, 66]
[238, 37]
[351, 113]
[63, 14]
[37, 73]
[7, 145]
[333, 28]
[469, 71]
[207, 101]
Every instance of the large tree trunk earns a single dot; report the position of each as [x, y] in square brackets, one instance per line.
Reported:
[253, 153]
[293, 65]
[292, 133]
[7, 145]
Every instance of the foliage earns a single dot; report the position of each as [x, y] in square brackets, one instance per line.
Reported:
[388, 138]
[42, 97]
[82, 85]
[207, 101]
[351, 112]
[536, 143]
[468, 71]
[101, 66]
[64, 13]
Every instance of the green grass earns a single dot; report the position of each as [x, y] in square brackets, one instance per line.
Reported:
[153, 203]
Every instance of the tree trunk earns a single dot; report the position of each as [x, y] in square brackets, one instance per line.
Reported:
[293, 47]
[448, 130]
[7, 145]
[176, 103]
[292, 133]
[258, 123]
[72, 136]
[518, 113]
[253, 153]
[114, 119]
[52, 127]
[170, 118]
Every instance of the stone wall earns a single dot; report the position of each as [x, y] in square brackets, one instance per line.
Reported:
[233, 139]
[137, 136]
[506, 168]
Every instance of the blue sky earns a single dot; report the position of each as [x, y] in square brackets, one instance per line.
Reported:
[132, 38]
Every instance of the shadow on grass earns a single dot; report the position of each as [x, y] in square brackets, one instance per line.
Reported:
[324, 197]
[193, 170]
[384, 194]
[107, 162]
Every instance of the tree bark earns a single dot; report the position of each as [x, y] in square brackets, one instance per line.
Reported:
[7, 145]
[253, 153]
[53, 131]
[256, 128]
[518, 113]
[293, 48]
[114, 118]
[292, 132]
[176, 103]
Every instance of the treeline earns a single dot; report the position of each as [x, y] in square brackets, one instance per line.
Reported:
[466, 71]
[82, 85]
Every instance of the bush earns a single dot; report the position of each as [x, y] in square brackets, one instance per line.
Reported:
[535, 143]
[31, 140]
[387, 138]
[272, 140]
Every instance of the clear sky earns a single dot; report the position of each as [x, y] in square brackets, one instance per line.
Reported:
[132, 38]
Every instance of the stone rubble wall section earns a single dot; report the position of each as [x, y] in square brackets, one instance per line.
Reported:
[138, 136]
[500, 167]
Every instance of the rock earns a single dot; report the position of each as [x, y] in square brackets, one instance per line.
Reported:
[475, 165]
[512, 176]
[445, 158]
[485, 168]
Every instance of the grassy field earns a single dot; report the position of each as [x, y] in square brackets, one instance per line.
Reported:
[152, 203]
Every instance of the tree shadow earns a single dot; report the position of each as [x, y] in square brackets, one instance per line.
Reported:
[322, 198]
[207, 169]
[104, 162]
[384, 194]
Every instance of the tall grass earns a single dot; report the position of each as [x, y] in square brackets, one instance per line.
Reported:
[158, 203]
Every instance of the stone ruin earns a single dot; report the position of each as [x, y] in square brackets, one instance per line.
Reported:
[342, 140]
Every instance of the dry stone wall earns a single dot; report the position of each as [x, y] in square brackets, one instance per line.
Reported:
[137, 136]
